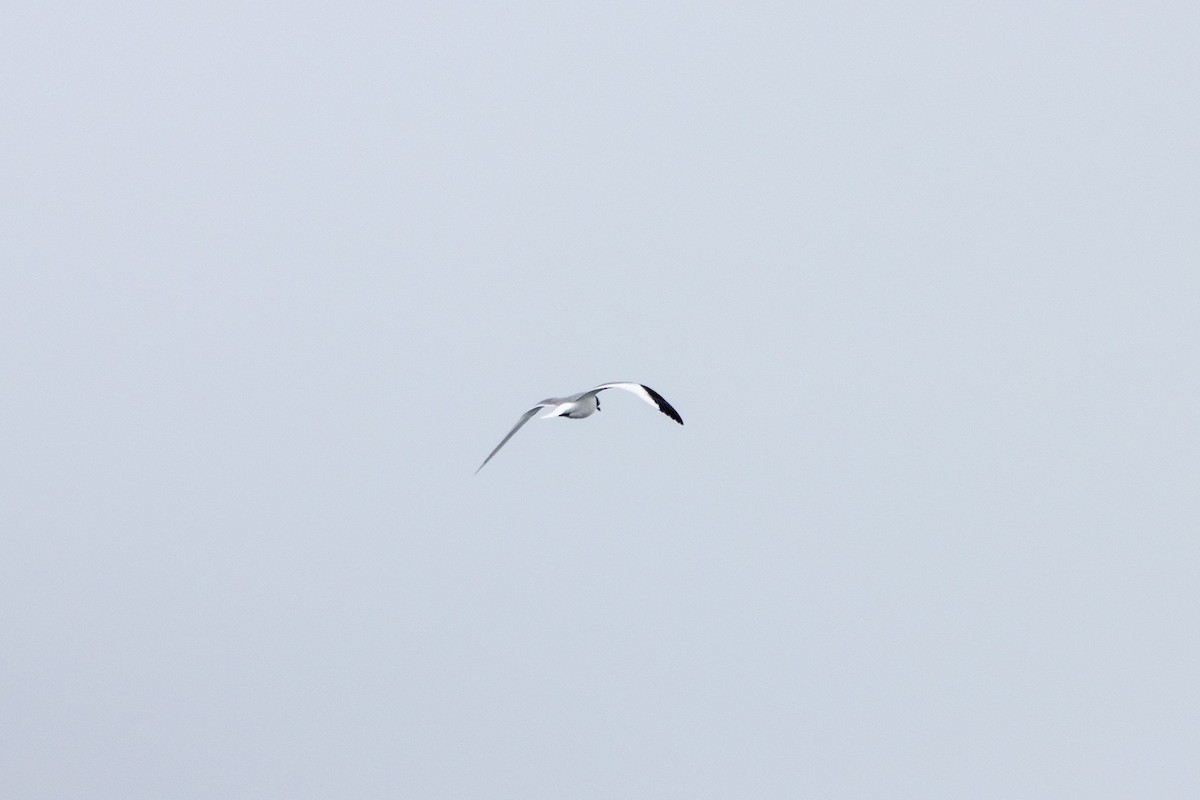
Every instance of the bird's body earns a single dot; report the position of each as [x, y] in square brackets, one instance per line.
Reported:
[574, 407]
[584, 404]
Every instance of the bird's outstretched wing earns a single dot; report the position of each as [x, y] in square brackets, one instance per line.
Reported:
[528, 415]
[646, 393]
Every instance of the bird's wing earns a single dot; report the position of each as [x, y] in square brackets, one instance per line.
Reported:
[528, 415]
[646, 393]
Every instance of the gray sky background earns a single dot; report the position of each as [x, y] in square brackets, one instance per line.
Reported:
[922, 280]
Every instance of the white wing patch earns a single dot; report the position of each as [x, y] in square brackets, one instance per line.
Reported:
[635, 388]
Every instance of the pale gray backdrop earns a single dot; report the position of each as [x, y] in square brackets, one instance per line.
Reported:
[922, 279]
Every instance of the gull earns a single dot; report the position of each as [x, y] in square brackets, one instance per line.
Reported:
[584, 404]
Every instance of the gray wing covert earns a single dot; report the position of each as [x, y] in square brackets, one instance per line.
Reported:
[528, 415]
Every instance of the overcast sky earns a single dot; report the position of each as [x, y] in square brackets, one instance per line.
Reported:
[923, 281]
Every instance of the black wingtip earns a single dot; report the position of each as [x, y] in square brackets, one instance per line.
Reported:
[663, 405]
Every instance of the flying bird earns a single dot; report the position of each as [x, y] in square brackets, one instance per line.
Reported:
[584, 404]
